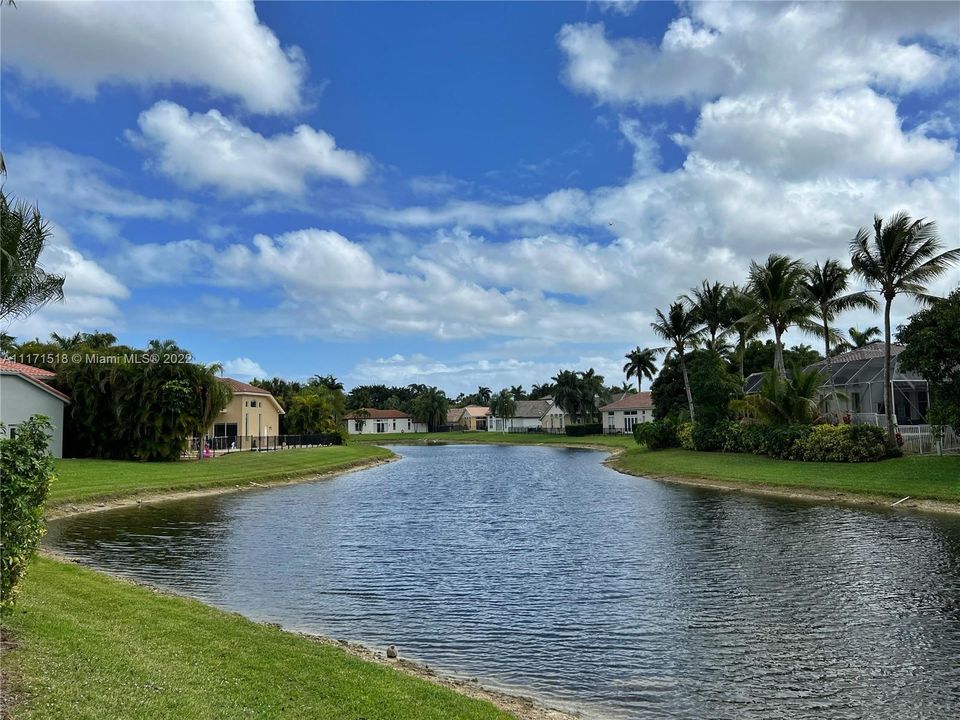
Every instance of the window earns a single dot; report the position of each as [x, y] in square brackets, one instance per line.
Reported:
[225, 430]
[358, 425]
[12, 430]
[381, 426]
[394, 424]
[610, 413]
[408, 424]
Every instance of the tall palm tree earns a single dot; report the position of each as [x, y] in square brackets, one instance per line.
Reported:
[567, 392]
[778, 300]
[641, 363]
[517, 393]
[483, 395]
[899, 258]
[827, 286]
[24, 285]
[710, 303]
[679, 327]
[741, 322]
[591, 388]
[864, 337]
[503, 405]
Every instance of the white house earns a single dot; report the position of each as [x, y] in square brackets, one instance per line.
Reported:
[531, 415]
[621, 415]
[24, 393]
[370, 421]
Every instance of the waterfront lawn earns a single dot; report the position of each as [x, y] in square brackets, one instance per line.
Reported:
[498, 438]
[90, 480]
[934, 478]
[90, 646]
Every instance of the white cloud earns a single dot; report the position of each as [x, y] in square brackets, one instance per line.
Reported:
[211, 150]
[243, 368]
[221, 46]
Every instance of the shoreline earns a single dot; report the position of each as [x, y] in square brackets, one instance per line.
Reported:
[794, 492]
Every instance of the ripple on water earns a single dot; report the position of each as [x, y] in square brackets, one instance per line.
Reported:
[541, 570]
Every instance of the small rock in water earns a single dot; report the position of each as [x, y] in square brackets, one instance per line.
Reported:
[392, 651]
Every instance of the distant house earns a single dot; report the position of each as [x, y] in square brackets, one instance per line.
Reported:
[24, 392]
[530, 415]
[454, 418]
[253, 412]
[857, 378]
[474, 417]
[371, 421]
[620, 415]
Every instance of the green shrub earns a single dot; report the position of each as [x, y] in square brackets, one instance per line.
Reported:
[784, 442]
[685, 435]
[709, 438]
[843, 443]
[585, 429]
[656, 435]
[26, 471]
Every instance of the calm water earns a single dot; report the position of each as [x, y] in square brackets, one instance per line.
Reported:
[539, 569]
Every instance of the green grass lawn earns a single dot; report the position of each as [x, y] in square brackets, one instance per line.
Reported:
[936, 478]
[93, 647]
[498, 438]
[89, 480]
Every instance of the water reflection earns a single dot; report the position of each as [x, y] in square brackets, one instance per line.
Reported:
[541, 570]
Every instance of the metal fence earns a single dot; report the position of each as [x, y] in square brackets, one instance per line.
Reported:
[537, 430]
[917, 439]
[259, 443]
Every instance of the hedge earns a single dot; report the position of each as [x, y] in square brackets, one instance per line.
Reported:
[585, 429]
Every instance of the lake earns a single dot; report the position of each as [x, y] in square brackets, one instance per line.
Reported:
[539, 570]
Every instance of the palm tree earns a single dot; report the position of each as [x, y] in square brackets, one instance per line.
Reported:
[67, 342]
[641, 363]
[827, 286]
[900, 258]
[24, 285]
[741, 322]
[566, 392]
[778, 300]
[788, 400]
[864, 337]
[503, 405]
[591, 388]
[483, 395]
[430, 407]
[517, 393]
[679, 327]
[710, 303]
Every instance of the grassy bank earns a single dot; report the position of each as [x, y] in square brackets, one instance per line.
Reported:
[90, 480]
[933, 478]
[90, 646]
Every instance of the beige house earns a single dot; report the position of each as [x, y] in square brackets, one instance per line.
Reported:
[253, 412]
[474, 417]
[542, 415]
[371, 421]
[24, 393]
[621, 415]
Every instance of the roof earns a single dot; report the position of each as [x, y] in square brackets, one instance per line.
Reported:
[242, 388]
[630, 401]
[476, 411]
[867, 352]
[375, 414]
[35, 381]
[531, 408]
[11, 366]
[453, 415]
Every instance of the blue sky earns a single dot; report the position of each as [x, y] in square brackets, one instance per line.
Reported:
[458, 193]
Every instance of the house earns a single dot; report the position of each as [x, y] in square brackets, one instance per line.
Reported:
[24, 392]
[542, 415]
[371, 421]
[620, 415]
[454, 418]
[857, 378]
[253, 412]
[474, 417]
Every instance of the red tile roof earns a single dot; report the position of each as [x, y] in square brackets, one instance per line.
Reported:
[375, 414]
[242, 387]
[634, 401]
[34, 372]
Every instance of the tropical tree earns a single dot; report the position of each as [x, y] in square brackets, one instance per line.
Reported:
[483, 395]
[641, 363]
[517, 393]
[567, 392]
[777, 299]
[710, 302]
[538, 391]
[784, 400]
[503, 405]
[24, 285]
[742, 322]
[859, 338]
[827, 286]
[679, 328]
[591, 388]
[900, 257]
[430, 407]
[328, 381]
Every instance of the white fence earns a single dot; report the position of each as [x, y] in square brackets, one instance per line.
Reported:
[918, 439]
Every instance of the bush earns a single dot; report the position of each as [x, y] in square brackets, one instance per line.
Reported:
[26, 470]
[585, 429]
[685, 435]
[656, 435]
[783, 442]
[709, 438]
[843, 443]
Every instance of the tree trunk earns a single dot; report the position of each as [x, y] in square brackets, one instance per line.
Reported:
[888, 373]
[826, 358]
[778, 353]
[743, 351]
[686, 386]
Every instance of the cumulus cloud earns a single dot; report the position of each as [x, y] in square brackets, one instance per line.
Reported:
[220, 46]
[211, 150]
[243, 368]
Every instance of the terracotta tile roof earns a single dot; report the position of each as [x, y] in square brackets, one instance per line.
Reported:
[242, 388]
[6, 369]
[375, 414]
[633, 401]
[454, 415]
[477, 411]
[867, 352]
[11, 366]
